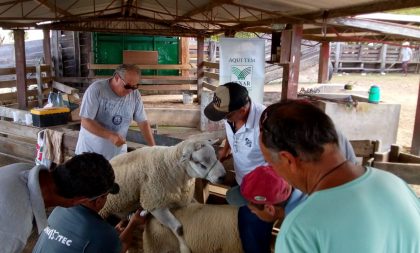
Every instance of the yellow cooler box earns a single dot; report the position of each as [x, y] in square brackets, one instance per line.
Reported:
[43, 117]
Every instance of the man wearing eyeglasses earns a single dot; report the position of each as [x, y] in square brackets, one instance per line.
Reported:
[108, 108]
[79, 228]
[27, 190]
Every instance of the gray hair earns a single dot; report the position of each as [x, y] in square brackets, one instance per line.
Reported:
[123, 68]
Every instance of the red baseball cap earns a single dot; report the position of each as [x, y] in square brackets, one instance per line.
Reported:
[264, 186]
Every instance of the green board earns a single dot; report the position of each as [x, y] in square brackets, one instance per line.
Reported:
[108, 49]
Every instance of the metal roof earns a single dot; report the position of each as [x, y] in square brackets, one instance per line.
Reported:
[186, 17]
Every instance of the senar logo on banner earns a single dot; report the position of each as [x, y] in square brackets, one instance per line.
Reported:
[242, 75]
[242, 61]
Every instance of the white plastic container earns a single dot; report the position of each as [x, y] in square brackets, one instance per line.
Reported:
[187, 98]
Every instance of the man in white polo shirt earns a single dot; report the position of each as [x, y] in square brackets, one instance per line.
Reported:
[241, 116]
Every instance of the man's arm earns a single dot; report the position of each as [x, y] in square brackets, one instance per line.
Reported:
[126, 235]
[96, 129]
[224, 152]
[147, 132]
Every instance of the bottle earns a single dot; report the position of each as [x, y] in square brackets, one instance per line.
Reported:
[51, 98]
[374, 94]
[60, 102]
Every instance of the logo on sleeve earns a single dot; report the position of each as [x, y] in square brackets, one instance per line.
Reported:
[117, 119]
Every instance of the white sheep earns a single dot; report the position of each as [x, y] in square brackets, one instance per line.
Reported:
[207, 229]
[159, 178]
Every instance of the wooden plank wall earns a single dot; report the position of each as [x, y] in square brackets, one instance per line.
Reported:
[8, 77]
[369, 58]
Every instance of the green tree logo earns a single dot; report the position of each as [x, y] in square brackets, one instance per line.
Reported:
[241, 74]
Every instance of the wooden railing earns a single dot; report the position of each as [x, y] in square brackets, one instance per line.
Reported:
[157, 83]
[363, 57]
[40, 75]
[211, 75]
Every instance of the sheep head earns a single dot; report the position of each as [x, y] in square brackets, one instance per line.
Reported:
[201, 161]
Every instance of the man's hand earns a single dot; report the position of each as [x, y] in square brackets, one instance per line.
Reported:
[117, 139]
[224, 154]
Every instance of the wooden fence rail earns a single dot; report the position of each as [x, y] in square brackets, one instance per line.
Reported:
[40, 75]
[157, 83]
[369, 58]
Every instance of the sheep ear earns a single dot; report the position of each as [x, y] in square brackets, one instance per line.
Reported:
[199, 145]
[185, 157]
[187, 152]
[213, 141]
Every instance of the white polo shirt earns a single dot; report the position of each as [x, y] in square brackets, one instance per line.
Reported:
[244, 143]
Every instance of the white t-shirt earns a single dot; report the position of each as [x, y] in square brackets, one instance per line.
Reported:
[406, 54]
[112, 112]
[244, 144]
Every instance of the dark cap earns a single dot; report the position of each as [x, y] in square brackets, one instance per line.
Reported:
[227, 98]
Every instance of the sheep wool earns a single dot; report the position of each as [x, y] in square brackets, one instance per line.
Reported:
[155, 176]
[207, 229]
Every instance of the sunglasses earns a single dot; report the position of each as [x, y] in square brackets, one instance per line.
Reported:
[127, 86]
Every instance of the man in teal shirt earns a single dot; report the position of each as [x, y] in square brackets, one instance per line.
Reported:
[349, 208]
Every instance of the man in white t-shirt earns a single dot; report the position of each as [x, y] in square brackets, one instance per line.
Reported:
[406, 54]
[108, 108]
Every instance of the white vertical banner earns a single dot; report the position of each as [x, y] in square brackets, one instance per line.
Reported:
[243, 61]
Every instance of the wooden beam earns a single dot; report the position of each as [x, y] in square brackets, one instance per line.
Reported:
[53, 7]
[183, 87]
[415, 143]
[64, 88]
[19, 36]
[208, 64]
[214, 76]
[370, 7]
[47, 48]
[324, 56]
[378, 26]
[200, 68]
[209, 86]
[185, 55]
[156, 66]
[291, 42]
[382, 57]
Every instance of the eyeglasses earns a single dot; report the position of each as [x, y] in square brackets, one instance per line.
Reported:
[115, 188]
[127, 86]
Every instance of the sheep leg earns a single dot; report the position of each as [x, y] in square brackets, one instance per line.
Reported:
[166, 218]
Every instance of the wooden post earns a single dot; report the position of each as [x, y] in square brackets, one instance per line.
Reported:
[324, 56]
[200, 67]
[212, 58]
[337, 56]
[39, 84]
[19, 36]
[185, 55]
[383, 57]
[415, 144]
[76, 44]
[290, 46]
[275, 42]
[47, 47]
[56, 53]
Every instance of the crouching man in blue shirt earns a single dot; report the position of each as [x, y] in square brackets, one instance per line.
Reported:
[80, 228]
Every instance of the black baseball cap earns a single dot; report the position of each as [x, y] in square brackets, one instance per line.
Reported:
[227, 98]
